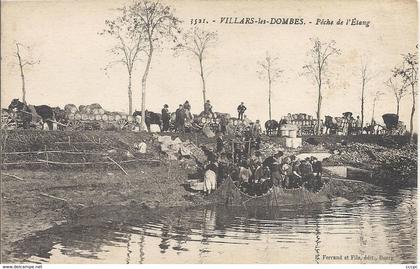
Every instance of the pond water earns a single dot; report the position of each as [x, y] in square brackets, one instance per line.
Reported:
[380, 228]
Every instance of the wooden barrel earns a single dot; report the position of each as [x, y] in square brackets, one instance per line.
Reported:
[101, 111]
[77, 116]
[117, 117]
[85, 116]
[98, 117]
[95, 111]
[70, 116]
[111, 117]
[105, 117]
[70, 108]
[91, 117]
[130, 118]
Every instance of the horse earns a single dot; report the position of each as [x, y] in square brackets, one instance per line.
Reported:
[27, 114]
[331, 125]
[150, 118]
[271, 127]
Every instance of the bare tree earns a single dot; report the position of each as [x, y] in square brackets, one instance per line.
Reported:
[376, 98]
[22, 63]
[408, 73]
[155, 22]
[198, 42]
[270, 70]
[317, 68]
[129, 44]
[365, 77]
[399, 89]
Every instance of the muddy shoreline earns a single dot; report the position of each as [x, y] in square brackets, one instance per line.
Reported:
[45, 197]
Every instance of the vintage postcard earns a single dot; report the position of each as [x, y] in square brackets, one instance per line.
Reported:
[209, 132]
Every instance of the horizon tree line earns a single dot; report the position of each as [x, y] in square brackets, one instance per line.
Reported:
[145, 25]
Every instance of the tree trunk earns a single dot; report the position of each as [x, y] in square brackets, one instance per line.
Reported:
[21, 74]
[143, 85]
[363, 103]
[318, 112]
[269, 98]
[130, 96]
[373, 111]
[203, 81]
[413, 109]
[398, 108]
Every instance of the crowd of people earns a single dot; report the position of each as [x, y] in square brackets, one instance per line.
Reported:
[245, 165]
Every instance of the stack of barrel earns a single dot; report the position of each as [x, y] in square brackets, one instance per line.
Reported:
[95, 112]
[306, 123]
[300, 119]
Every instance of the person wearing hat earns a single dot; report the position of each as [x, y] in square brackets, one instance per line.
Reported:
[219, 142]
[180, 119]
[297, 175]
[187, 109]
[241, 110]
[306, 170]
[208, 108]
[316, 166]
[286, 172]
[166, 116]
[187, 105]
[238, 149]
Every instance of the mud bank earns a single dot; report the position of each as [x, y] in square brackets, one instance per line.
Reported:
[38, 197]
[49, 198]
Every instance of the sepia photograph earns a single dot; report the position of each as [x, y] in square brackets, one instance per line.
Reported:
[209, 132]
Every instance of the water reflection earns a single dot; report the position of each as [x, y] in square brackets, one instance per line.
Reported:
[381, 228]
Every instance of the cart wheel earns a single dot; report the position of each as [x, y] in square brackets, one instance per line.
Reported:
[74, 125]
[123, 124]
[8, 123]
[37, 125]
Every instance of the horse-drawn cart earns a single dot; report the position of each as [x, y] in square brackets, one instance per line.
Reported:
[392, 125]
[11, 120]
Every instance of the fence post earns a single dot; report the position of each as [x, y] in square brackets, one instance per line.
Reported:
[46, 153]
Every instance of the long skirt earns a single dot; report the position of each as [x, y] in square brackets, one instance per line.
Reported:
[210, 181]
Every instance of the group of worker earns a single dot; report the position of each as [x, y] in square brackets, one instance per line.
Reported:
[256, 176]
[183, 113]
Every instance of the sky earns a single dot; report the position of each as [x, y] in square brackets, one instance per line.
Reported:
[63, 36]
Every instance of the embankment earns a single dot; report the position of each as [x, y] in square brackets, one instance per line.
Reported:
[53, 177]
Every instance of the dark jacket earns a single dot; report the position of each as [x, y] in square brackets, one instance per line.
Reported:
[219, 144]
[241, 108]
[165, 114]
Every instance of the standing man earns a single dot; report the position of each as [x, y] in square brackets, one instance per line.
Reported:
[210, 177]
[180, 119]
[256, 129]
[165, 118]
[241, 110]
[219, 143]
[358, 125]
[187, 109]
[208, 108]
